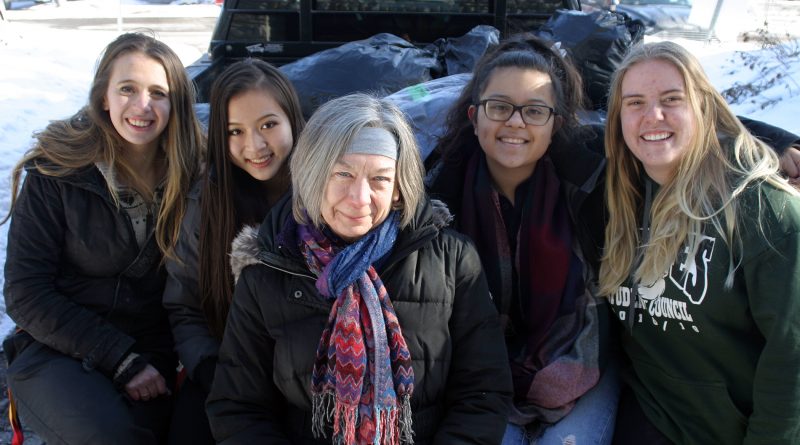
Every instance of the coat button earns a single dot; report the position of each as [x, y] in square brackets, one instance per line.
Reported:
[298, 294]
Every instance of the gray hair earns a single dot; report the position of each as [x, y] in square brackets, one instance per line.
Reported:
[325, 140]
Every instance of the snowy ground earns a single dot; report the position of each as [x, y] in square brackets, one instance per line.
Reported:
[45, 73]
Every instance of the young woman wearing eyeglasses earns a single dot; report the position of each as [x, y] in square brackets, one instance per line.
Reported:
[496, 176]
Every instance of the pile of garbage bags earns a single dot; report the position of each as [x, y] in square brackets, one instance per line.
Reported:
[425, 81]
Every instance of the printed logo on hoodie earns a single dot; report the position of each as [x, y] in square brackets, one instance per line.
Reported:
[689, 275]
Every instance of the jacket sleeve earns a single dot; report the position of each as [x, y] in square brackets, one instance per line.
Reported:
[245, 407]
[773, 290]
[478, 394]
[777, 138]
[193, 339]
[34, 259]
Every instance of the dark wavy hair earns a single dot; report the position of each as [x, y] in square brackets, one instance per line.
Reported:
[524, 51]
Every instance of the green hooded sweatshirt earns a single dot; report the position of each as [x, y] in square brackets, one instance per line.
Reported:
[717, 365]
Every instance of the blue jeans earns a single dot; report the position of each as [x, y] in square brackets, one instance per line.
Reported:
[591, 421]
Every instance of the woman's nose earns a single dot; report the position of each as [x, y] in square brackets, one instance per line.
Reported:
[515, 120]
[360, 191]
[256, 141]
[655, 112]
[143, 101]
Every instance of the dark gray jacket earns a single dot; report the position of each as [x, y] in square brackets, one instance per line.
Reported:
[76, 279]
[462, 381]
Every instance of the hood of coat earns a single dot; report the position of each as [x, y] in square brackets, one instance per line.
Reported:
[267, 244]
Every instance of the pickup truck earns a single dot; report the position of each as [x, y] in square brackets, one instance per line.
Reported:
[283, 31]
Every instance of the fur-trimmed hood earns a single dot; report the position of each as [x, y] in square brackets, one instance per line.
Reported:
[252, 241]
[244, 250]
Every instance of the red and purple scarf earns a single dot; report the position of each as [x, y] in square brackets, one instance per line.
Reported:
[362, 379]
[559, 360]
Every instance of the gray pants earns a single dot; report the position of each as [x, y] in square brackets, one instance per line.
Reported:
[65, 404]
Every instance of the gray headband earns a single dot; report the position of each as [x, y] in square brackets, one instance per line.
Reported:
[374, 141]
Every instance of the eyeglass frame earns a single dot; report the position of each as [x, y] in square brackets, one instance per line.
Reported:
[515, 109]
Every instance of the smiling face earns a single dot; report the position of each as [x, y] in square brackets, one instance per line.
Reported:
[512, 147]
[259, 134]
[137, 100]
[359, 194]
[658, 122]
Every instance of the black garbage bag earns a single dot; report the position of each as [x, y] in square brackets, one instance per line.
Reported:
[459, 54]
[597, 42]
[381, 65]
[426, 106]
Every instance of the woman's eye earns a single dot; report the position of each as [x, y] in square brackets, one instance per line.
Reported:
[234, 132]
[534, 111]
[500, 108]
[126, 89]
[268, 125]
[343, 174]
[159, 93]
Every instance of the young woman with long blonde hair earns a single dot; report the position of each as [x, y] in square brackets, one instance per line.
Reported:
[700, 262]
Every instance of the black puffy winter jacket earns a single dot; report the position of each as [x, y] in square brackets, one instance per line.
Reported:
[76, 279]
[462, 389]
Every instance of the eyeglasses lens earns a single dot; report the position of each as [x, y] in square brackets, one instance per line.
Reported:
[500, 111]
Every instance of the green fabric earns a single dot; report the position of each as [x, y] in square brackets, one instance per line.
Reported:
[715, 365]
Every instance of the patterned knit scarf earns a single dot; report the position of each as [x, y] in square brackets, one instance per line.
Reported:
[362, 379]
[559, 360]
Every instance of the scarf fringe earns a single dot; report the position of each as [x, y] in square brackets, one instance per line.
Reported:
[344, 423]
[393, 426]
[385, 426]
[406, 420]
[325, 410]
[322, 407]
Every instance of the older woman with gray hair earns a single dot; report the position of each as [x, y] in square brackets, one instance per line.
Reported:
[357, 317]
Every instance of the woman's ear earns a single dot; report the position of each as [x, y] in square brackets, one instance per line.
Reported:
[471, 114]
[558, 122]
[473, 117]
[396, 204]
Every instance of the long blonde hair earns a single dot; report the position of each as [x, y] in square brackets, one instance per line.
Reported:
[69, 145]
[722, 160]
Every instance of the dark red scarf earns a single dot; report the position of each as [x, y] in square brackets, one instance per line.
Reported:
[560, 358]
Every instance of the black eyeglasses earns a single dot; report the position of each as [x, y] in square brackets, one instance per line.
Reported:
[501, 111]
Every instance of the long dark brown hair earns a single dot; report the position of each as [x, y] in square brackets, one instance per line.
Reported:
[231, 198]
[69, 145]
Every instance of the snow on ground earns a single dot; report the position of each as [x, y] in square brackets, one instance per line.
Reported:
[45, 75]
